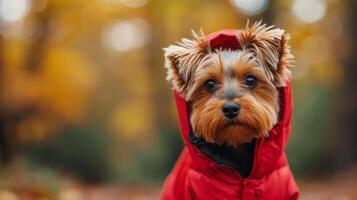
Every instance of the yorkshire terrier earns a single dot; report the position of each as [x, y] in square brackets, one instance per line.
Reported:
[232, 94]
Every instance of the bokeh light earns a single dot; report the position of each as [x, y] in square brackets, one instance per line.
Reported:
[309, 11]
[13, 10]
[126, 35]
[250, 7]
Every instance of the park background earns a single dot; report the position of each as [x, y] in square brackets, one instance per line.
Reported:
[86, 113]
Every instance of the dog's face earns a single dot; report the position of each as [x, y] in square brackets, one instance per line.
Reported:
[233, 100]
[233, 94]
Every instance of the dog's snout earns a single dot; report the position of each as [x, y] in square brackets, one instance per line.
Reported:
[230, 109]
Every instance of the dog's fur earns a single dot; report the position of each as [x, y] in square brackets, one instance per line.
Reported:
[265, 55]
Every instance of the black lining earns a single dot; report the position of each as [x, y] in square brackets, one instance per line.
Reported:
[240, 159]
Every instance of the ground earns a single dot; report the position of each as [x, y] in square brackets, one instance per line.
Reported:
[341, 186]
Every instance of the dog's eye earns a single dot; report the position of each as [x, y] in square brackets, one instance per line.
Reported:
[251, 81]
[211, 85]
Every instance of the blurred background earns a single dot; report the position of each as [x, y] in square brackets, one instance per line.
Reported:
[86, 113]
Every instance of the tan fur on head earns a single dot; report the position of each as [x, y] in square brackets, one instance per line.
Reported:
[271, 47]
[183, 59]
[265, 54]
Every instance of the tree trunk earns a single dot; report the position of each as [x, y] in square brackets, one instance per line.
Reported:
[32, 64]
[346, 126]
[4, 147]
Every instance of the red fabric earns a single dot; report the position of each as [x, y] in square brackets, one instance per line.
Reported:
[224, 39]
[195, 176]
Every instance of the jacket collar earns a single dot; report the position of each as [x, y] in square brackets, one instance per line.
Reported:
[239, 159]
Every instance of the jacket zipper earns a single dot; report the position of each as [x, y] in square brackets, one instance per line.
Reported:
[241, 190]
[255, 160]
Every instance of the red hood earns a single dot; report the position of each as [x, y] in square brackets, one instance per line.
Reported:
[196, 176]
[275, 145]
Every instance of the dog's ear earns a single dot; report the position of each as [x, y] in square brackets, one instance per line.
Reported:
[182, 60]
[271, 47]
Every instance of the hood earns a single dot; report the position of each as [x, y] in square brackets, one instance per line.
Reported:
[227, 39]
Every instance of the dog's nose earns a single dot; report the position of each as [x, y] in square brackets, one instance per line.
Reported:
[230, 110]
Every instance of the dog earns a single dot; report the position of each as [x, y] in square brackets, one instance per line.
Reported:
[233, 95]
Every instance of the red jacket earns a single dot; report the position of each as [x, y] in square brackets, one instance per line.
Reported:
[196, 176]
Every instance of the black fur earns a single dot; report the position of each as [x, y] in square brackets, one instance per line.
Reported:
[240, 159]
